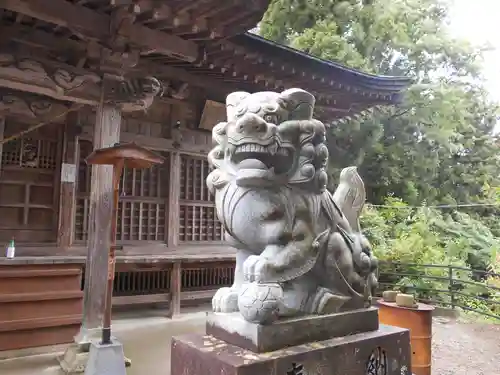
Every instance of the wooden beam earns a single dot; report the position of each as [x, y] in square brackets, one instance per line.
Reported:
[40, 38]
[93, 25]
[163, 72]
[106, 134]
[53, 79]
[35, 81]
[32, 108]
[157, 143]
[64, 82]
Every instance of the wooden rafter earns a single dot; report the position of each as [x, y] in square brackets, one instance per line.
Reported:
[245, 70]
[96, 26]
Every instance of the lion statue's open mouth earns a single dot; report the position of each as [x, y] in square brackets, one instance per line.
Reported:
[257, 160]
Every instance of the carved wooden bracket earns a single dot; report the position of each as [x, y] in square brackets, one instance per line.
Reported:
[58, 81]
[63, 82]
[135, 94]
[112, 61]
[29, 106]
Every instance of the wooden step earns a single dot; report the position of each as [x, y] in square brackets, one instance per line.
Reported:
[18, 279]
[30, 324]
[40, 305]
[38, 332]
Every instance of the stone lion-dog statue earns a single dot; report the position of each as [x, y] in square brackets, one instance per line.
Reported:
[299, 249]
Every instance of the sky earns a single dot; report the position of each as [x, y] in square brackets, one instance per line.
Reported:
[479, 22]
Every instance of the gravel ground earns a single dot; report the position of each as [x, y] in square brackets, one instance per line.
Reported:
[465, 348]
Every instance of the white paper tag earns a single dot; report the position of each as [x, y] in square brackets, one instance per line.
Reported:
[68, 172]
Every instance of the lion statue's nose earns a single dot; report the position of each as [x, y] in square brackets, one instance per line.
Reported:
[250, 124]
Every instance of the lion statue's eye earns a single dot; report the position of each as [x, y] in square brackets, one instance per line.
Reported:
[273, 119]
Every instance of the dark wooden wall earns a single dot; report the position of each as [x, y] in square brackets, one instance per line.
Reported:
[29, 184]
[169, 203]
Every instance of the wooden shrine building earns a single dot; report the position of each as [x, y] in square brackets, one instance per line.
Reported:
[84, 74]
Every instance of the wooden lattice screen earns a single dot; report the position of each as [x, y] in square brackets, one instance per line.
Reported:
[194, 277]
[198, 219]
[143, 203]
[29, 185]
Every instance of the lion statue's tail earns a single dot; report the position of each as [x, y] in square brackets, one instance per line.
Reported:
[350, 196]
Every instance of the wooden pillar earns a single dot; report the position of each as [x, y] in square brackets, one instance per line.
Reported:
[106, 134]
[173, 199]
[67, 203]
[2, 131]
[173, 232]
[175, 289]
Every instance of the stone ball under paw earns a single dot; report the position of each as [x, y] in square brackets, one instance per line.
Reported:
[260, 303]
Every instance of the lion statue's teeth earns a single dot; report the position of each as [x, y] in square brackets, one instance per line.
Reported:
[273, 148]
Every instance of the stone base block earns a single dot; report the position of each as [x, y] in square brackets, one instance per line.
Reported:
[384, 351]
[106, 359]
[74, 359]
[233, 329]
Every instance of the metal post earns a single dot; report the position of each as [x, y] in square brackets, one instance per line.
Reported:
[451, 286]
[106, 324]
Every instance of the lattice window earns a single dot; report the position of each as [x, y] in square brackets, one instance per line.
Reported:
[82, 211]
[207, 276]
[198, 219]
[29, 184]
[140, 282]
[142, 207]
[29, 152]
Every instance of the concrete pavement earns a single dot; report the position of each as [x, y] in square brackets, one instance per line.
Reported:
[146, 341]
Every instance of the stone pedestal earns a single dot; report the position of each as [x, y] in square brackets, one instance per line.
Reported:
[346, 343]
[235, 330]
[75, 358]
[106, 359]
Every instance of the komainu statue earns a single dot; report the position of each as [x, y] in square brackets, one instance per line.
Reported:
[299, 248]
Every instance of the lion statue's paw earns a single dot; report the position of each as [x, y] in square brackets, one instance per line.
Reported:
[255, 268]
[225, 300]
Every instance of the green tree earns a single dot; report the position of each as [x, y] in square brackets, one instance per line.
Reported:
[435, 147]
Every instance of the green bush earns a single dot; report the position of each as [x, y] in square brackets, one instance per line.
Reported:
[407, 240]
